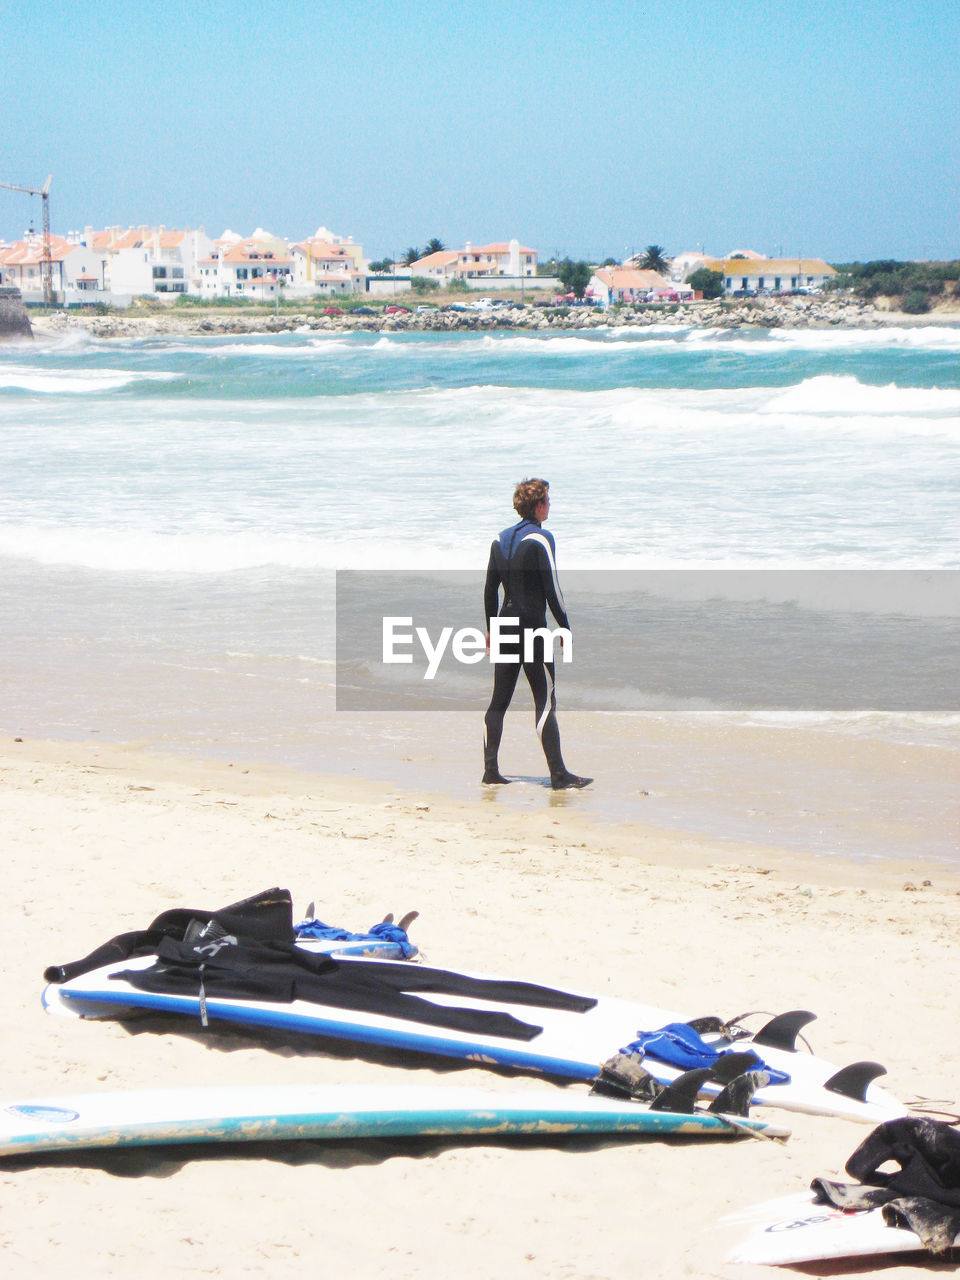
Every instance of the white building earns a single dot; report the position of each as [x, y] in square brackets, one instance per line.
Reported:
[630, 284]
[501, 263]
[22, 264]
[327, 264]
[137, 261]
[772, 275]
[258, 267]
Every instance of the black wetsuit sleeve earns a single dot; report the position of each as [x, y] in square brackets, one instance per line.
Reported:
[491, 588]
[250, 969]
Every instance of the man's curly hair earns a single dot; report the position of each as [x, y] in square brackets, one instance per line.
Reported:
[527, 497]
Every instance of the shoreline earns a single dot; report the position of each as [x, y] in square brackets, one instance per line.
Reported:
[103, 838]
[814, 312]
[689, 849]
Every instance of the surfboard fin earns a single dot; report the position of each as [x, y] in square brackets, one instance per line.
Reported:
[681, 1094]
[623, 1076]
[731, 1065]
[854, 1080]
[781, 1032]
[736, 1097]
[407, 920]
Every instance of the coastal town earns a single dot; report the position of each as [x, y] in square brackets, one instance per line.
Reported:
[117, 265]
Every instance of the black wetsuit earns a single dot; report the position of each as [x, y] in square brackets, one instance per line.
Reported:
[247, 951]
[523, 562]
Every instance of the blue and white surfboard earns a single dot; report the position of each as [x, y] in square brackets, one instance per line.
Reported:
[281, 1112]
[570, 1045]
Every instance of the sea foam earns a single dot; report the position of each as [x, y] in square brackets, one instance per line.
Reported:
[75, 382]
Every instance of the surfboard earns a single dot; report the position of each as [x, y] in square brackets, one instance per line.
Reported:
[273, 1113]
[571, 1045]
[795, 1229]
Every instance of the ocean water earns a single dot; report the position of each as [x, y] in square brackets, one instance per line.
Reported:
[757, 525]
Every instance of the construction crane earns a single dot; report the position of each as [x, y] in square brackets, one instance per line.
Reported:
[46, 260]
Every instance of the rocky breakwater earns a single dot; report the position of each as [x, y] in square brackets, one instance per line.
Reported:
[820, 311]
[14, 321]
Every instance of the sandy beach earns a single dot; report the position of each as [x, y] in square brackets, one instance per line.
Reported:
[101, 838]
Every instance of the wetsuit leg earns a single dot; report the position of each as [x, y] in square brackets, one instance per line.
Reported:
[541, 678]
[505, 676]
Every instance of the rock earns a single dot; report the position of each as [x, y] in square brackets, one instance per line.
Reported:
[14, 321]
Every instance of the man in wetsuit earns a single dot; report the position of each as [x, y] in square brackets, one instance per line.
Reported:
[523, 562]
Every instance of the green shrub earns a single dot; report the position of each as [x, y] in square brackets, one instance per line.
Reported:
[423, 284]
[890, 279]
[707, 282]
[915, 302]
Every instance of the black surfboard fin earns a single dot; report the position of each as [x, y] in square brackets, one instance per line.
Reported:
[736, 1097]
[781, 1032]
[854, 1080]
[406, 921]
[680, 1095]
[730, 1065]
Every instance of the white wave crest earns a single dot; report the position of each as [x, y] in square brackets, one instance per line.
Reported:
[76, 382]
[284, 351]
[881, 408]
[144, 552]
[830, 396]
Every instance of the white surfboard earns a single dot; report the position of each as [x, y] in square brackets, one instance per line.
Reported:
[275, 1112]
[795, 1229]
[569, 1044]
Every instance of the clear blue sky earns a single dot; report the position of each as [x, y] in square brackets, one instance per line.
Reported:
[826, 127]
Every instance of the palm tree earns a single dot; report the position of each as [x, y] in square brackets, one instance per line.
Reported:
[434, 246]
[411, 256]
[655, 259]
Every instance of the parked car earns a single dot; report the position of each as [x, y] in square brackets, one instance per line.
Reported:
[454, 306]
[427, 311]
[481, 304]
[395, 310]
[363, 311]
[333, 311]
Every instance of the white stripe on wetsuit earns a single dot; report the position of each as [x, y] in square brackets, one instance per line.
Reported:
[538, 537]
[548, 705]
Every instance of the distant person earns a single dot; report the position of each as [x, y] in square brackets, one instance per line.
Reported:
[523, 563]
